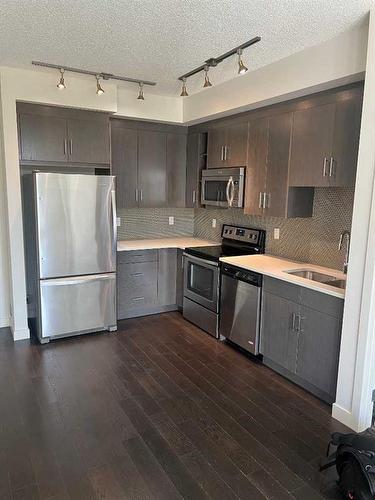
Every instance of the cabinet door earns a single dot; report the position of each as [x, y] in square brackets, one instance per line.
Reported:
[235, 154]
[217, 139]
[124, 166]
[167, 276]
[152, 168]
[318, 349]
[195, 163]
[311, 146]
[42, 138]
[88, 141]
[176, 169]
[256, 167]
[279, 131]
[345, 142]
[278, 339]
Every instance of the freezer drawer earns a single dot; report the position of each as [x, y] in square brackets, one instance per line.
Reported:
[76, 224]
[77, 305]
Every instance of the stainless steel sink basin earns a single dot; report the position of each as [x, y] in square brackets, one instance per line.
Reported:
[338, 284]
[309, 274]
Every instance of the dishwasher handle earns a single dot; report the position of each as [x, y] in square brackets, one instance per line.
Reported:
[250, 277]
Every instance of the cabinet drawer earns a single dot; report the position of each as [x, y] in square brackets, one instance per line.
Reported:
[137, 274]
[137, 256]
[322, 302]
[282, 289]
[141, 296]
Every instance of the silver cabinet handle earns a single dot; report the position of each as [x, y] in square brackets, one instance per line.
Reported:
[325, 167]
[260, 200]
[300, 318]
[136, 275]
[331, 167]
[265, 204]
[71, 146]
[225, 153]
[141, 194]
[294, 322]
[136, 195]
[137, 299]
[194, 196]
[65, 147]
[222, 153]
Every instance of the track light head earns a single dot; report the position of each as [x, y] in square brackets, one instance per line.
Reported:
[141, 96]
[241, 67]
[61, 84]
[207, 82]
[99, 90]
[184, 92]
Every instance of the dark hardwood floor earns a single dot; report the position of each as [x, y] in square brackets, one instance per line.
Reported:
[158, 410]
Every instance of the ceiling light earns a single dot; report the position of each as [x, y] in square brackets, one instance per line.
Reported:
[184, 92]
[99, 90]
[61, 84]
[207, 82]
[241, 67]
[140, 93]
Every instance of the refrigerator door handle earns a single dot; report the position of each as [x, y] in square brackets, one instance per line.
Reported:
[114, 218]
[77, 281]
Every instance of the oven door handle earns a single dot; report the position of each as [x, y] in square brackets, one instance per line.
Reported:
[201, 261]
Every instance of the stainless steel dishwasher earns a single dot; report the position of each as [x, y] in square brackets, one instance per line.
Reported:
[240, 307]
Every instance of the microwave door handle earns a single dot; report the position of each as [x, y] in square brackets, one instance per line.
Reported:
[232, 192]
[227, 191]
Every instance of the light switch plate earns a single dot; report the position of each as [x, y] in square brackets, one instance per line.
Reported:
[213, 222]
[276, 233]
[118, 221]
[171, 220]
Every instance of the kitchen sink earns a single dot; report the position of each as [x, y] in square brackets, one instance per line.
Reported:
[338, 283]
[325, 279]
[309, 274]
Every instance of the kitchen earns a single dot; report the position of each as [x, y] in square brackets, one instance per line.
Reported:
[214, 250]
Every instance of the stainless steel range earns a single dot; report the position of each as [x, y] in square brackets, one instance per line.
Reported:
[202, 275]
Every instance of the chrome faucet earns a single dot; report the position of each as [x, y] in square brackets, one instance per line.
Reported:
[343, 235]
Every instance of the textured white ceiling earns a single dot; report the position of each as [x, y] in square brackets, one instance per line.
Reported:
[161, 39]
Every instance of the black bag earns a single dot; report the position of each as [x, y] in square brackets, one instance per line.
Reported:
[355, 463]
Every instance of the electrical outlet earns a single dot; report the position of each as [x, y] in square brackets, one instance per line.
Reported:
[171, 221]
[276, 233]
[213, 222]
[118, 221]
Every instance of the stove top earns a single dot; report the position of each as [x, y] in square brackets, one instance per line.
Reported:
[235, 241]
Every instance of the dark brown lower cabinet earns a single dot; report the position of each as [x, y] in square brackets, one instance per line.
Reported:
[147, 282]
[300, 335]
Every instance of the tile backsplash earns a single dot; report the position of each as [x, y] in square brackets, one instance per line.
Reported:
[314, 240]
[138, 223]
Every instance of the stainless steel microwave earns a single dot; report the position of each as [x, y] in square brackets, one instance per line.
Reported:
[223, 187]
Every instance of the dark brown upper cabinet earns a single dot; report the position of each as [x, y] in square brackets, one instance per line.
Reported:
[124, 144]
[149, 161]
[325, 143]
[267, 190]
[195, 163]
[152, 169]
[227, 145]
[57, 136]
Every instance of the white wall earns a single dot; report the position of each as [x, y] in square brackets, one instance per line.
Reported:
[338, 61]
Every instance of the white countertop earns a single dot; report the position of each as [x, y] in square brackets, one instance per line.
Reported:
[276, 267]
[181, 242]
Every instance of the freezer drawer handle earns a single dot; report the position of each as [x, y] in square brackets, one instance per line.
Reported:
[65, 282]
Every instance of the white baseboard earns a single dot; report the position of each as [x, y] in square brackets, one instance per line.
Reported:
[345, 417]
[4, 322]
[20, 334]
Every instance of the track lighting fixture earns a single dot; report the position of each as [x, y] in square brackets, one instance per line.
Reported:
[184, 92]
[61, 84]
[214, 61]
[241, 67]
[207, 82]
[140, 93]
[98, 75]
[99, 90]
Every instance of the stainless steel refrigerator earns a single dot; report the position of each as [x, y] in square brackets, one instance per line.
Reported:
[70, 246]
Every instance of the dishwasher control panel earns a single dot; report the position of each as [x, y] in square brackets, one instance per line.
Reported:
[242, 275]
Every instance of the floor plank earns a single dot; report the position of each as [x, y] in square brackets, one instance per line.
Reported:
[158, 410]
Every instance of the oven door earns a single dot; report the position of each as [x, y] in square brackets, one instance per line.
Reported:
[201, 282]
[222, 191]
